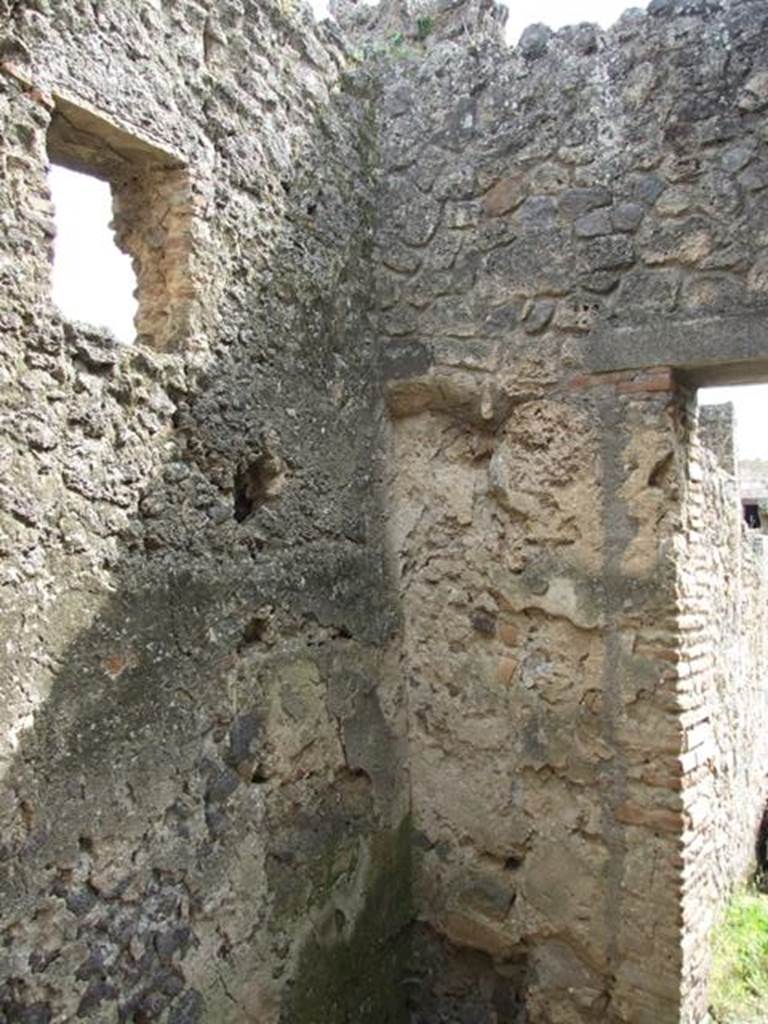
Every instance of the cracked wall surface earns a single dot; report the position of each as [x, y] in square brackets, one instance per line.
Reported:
[344, 658]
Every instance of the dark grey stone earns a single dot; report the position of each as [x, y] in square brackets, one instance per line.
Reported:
[627, 216]
[598, 222]
[187, 1009]
[534, 42]
[578, 201]
[222, 786]
[611, 252]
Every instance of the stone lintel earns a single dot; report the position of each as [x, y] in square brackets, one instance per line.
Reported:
[78, 121]
[715, 350]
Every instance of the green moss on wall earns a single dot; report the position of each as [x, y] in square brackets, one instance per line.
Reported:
[358, 976]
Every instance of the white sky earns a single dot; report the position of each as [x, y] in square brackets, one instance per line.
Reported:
[94, 282]
[750, 403]
[555, 13]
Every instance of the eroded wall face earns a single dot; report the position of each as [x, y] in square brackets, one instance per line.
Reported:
[723, 697]
[543, 738]
[539, 208]
[200, 796]
[203, 808]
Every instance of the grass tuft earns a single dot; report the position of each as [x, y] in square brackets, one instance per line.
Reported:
[739, 980]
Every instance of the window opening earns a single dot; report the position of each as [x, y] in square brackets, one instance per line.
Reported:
[144, 191]
[751, 515]
[92, 280]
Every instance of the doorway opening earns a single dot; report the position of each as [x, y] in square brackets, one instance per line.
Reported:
[723, 689]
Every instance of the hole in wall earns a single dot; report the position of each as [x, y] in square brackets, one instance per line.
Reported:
[85, 843]
[255, 631]
[661, 471]
[92, 280]
[247, 491]
[513, 862]
[258, 480]
[258, 629]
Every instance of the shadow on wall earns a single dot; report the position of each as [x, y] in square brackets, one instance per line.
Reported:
[201, 820]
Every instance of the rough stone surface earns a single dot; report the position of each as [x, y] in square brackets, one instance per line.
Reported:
[202, 721]
[604, 233]
[350, 668]
[723, 702]
[716, 432]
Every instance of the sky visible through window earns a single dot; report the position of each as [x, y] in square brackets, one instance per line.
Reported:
[94, 282]
[750, 403]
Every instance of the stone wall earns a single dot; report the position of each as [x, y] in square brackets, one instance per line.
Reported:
[723, 699]
[586, 202]
[716, 433]
[201, 802]
[344, 614]
[539, 612]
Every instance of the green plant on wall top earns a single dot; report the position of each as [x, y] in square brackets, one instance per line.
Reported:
[423, 27]
[399, 45]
